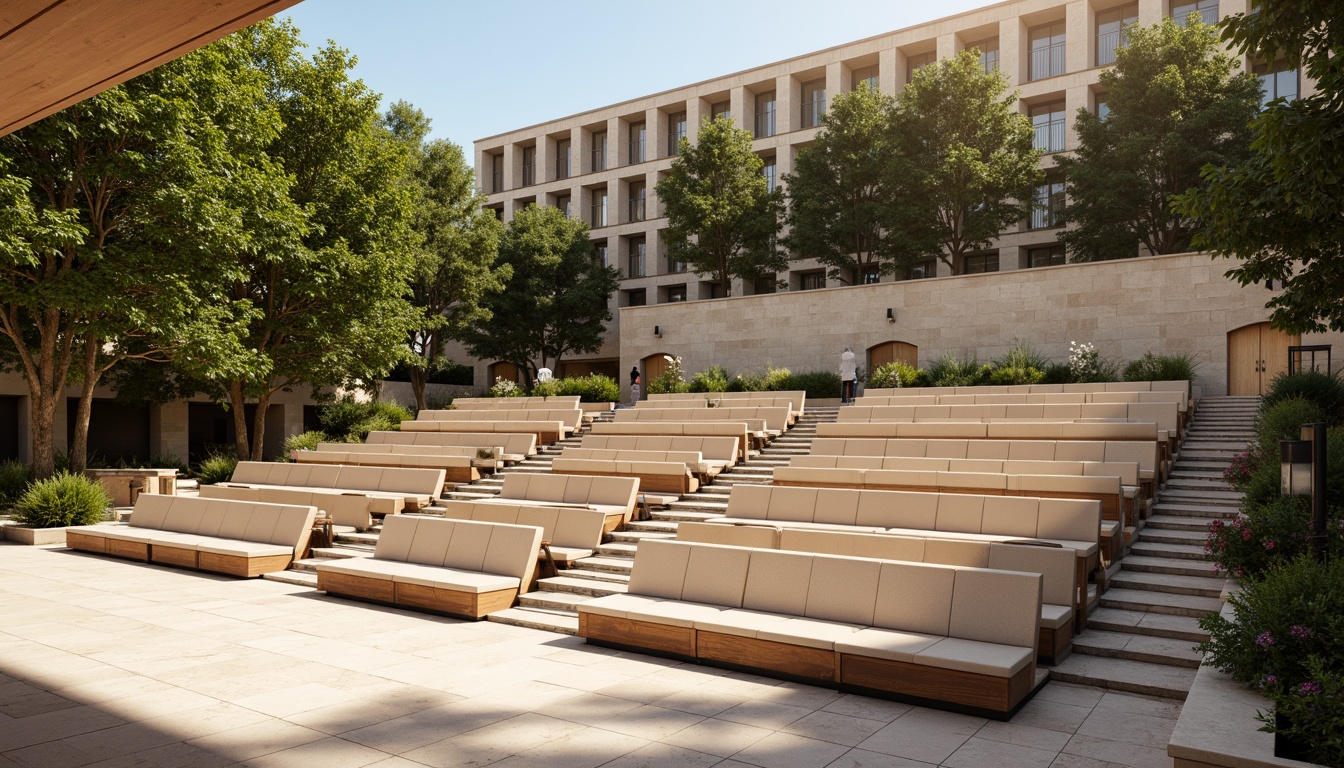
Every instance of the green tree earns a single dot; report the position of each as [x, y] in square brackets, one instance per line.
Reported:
[1278, 211]
[722, 218]
[840, 202]
[114, 207]
[555, 297]
[963, 160]
[1175, 106]
[459, 243]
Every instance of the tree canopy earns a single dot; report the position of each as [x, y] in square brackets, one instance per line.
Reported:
[555, 297]
[963, 160]
[1278, 211]
[843, 209]
[1175, 105]
[722, 217]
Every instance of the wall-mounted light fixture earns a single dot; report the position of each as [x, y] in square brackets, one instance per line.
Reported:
[657, 332]
[891, 315]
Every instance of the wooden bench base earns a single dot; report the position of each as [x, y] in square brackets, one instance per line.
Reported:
[245, 567]
[131, 550]
[678, 484]
[1053, 644]
[783, 658]
[999, 695]
[184, 558]
[163, 554]
[86, 543]
[470, 605]
[639, 634]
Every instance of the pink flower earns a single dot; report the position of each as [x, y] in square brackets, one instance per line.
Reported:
[1299, 632]
[1264, 640]
[1308, 688]
[1245, 534]
[1269, 546]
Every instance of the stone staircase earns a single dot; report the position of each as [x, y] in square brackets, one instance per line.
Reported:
[1140, 636]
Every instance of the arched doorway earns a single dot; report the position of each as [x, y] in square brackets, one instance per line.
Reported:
[654, 366]
[1255, 355]
[505, 371]
[891, 352]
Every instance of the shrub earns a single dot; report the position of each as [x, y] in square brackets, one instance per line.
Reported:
[1283, 421]
[62, 499]
[776, 379]
[14, 479]
[1022, 355]
[1286, 638]
[505, 388]
[898, 374]
[712, 379]
[1057, 373]
[216, 468]
[304, 441]
[593, 388]
[952, 371]
[816, 384]
[1016, 376]
[1325, 390]
[1250, 545]
[1152, 367]
[1086, 365]
[670, 380]
[350, 422]
[745, 382]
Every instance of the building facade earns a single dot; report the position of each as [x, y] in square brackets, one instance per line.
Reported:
[603, 165]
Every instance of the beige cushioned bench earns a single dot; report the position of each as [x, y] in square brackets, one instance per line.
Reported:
[733, 429]
[1165, 414]
[347, 508]
[1112, 386]
[717, 453]
[413, 488]
[458, 567]
[757, 424]
[1064, 606]
[238, 538]
[612, 496]
[692, 460]
[668, 477]
[456, 469]
[507, 403]
[545, 432]
[512, 446]
[938, 635]
[570, 534]
[713, 400]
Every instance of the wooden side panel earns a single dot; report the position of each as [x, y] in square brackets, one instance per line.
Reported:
[1053, 644]
[132, 550]
[244, 567]
[185, 558]
[86, 543]
[356, 586]
[658, 637]
[997, 694]
[786, 659]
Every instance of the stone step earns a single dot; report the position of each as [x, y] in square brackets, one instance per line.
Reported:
[536, 618]
[1126, 675]
[1176, 523]
[1160, 602]
[606, 564]
[1169, 536]
[367, 538]
[617, 548]
[1183, 628]
[634, 537]
[598, 574]
[1188, 509]
[1197, 586]
[653, 526]
[1170, 551]
[685, 515]
[589, 587]
[698, 506]
[732, 480]
[1167, 565]
[337, 553]
[1122, 645]
[553, 600]
[1201, 483]
[1178, 473]
[1204, 495]
[297, 578]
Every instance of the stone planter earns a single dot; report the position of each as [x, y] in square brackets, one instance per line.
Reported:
[34, 537]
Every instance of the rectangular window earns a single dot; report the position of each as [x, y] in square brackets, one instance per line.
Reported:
[1046, 257]
[989, 54]
[636, 298]
[637, 136]
[562, 159]
[869, 275]
[599, 151]
[562, 202]
[866, 76]
[636, 263]
[1277, 81]
[1047, 51]
[1205, 11]
[913, 63]
[676, 131]
[721, 109]
[674, 267]
[765, 114]
[638, 195]
[676, 293]
[1103, 107]
[496, 173]
[602, 257]
[979, 263]
[1047, 208]
[811, 281]
[922, 269]
[814, 103]
[764, 284]
[529, 166]
[1047, 122]
[771, 174]
[599, 209]
[1113, 31]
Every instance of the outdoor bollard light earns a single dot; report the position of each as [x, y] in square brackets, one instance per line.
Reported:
[891, 315]
[1316, 434]
[1295, 467]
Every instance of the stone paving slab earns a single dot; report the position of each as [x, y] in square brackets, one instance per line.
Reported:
[109, 663]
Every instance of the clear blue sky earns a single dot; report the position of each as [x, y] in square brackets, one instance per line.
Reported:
[481, 68]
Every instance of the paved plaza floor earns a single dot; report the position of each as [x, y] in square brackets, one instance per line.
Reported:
[111, 663]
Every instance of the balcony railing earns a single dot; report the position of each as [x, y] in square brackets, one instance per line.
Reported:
[1047, 61]
[812, 112]
[675, 267]
[1047, 211]
[529, 175]
[765, 123]
[1049, 137]
[637, 209]
[1107, 42]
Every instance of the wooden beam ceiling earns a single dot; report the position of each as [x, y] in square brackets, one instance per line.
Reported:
[54, 53]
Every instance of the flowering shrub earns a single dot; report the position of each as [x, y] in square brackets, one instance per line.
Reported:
[898, 374]
[670, 380]
[505, 388]
[1252, 544]
[1242, 466]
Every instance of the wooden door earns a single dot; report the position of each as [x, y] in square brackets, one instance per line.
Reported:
[654, 365]
[505, 371]
[1255, 355]
[892, 351]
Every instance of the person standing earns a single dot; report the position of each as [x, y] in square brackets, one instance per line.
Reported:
[634, 385]
[849, 370]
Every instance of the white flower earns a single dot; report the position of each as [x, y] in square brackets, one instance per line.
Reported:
[669, 359]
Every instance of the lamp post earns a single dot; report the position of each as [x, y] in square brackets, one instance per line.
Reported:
[1302, 470]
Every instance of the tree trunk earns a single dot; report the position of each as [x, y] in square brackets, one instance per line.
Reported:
[41, 428]
[79, 447]
[259, 427]
[237, 404]
[419, 378]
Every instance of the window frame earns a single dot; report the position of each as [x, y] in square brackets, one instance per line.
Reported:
[1052, 52]
[766, 124]
[598, 152]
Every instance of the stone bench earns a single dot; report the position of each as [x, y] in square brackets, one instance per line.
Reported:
[944, 636]
[238, 538]
[1164, 414]
[797, 398]
[514, 403]
[664, 477]
[1064, 606]
[458, 567]
[348, 508]
[763, 423]
[545, 432]
[716, 453]
[510, 446]
[456, 469]
[414, 488]
[733, 429]
[612, 496]
[693, 460]
[570, 534]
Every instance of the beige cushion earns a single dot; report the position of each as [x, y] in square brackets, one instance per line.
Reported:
[810, 633]
[660, 569]
[716, 575]
[617, 605]
[512, 551]
[467, 548]
[244, 548]
[777, 582]
[739, 621]
[1055, 616]
[977, 657]
[843, 589]
[886, 644]
[368, 567]
[673, 613]
[996, 606]
[394, 542]
[431, 542]
[454, 579]
[569, 554]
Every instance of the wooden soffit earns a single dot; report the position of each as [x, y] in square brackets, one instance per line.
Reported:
[54, 53]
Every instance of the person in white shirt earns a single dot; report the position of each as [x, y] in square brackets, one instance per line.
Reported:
[849, 370]
[544, 374]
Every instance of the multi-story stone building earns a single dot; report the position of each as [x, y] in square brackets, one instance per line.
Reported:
[603, 165]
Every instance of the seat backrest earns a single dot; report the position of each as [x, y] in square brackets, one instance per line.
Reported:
[660, 568]
[581, 528]
[237, 519]
[913, 597]
[184, 516]
[789, 504]
[1001, 607]
[216, 510]
[836, 506]
[1056, 566]
[716, 575]
[1011, 516]
[971, 554]
[843, 589]
[750, 501]
[758, 536]
[1069, 520]
[427, 482]
[512, 551]
[777, 582]
[467, 549]
[293, 525]
[394, 541]
[150, 510]
[986, 449]
[1077, 450]
[960, 513]
[898, 509]
[544, 518]
[360, 478]
[250, 472]
[431, 541]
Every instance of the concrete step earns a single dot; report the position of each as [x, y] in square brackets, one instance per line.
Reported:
[297, 578]
[1122, 645]
[1176, 523]
[653, 526]
[1168, 536]
[1170, 583]
[588, 587]
[552, 600]
[617, 548]
[1170, 551]
[606, 564]
[685, 515]
[367, 538]
[634, 537]
[1205, 496]
[1160, 602]
[1126, 675]
[598, 574]
[537, 618]
[1190, 509]
[692, 505]
[1170, 566]
[1183, 628]
[336, 553]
